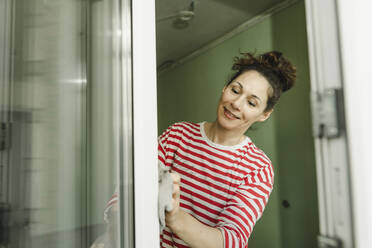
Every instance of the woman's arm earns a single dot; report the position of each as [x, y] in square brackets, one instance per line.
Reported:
[189, 229]
[195, 233]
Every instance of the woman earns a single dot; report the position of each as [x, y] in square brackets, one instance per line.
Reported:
[222, 181]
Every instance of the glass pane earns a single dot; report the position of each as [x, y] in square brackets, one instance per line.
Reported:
[105, 148]
[61, 109]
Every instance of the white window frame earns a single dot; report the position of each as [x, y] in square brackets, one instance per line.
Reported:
[355, 45]
[339, 53]
[145, 124]
[332, 160]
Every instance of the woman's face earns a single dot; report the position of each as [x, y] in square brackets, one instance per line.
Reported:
[243, 102]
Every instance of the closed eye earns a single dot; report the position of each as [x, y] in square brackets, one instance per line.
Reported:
[234, 90]
[252, 104]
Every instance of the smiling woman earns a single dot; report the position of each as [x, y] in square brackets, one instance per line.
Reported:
[222, 181]
[243, 102]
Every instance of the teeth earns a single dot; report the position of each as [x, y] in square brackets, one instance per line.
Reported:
[230, 114]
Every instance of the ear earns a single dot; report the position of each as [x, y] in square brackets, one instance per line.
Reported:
[265, 115]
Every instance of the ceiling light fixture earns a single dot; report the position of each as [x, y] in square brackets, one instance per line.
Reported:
[182, 18]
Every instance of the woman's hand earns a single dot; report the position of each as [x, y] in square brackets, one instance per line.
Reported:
[187, 227]
[171, 217]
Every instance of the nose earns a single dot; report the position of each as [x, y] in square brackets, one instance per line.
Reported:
[237, 103]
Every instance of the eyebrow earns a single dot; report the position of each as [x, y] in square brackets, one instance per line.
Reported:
[241, 86]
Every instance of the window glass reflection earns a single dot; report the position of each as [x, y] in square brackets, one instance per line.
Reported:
[59, 173]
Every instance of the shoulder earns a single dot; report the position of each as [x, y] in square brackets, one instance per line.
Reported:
[179, 130]
[180, 127]
[186, 125]
[255, 152]
[258, 162]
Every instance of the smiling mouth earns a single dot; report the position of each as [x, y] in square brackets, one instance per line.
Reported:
[229, 115]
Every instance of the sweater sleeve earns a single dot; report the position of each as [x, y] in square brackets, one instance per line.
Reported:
[167, 144]
[246, 206]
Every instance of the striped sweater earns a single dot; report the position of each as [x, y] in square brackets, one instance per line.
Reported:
[226, 187]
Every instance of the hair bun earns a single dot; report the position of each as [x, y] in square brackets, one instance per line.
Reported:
[272, 58]
[282, 67]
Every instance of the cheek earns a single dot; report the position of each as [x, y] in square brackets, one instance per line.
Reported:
[220, 106]
[223, 101]
[223, 97]
[220, 102]
[251, 115]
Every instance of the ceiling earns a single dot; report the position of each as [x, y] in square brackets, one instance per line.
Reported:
[212, 19]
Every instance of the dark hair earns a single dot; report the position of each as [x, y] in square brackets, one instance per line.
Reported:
[278, 71]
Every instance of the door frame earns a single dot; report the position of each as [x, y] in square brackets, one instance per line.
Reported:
[355, 42]
[332, 159]
[339, 57]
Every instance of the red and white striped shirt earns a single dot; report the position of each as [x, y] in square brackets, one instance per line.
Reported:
[226, 187]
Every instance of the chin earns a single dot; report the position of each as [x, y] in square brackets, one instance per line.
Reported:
[227, 124]
[230, 125]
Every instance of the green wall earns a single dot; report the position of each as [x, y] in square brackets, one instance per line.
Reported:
[295, 147]
[190, 92]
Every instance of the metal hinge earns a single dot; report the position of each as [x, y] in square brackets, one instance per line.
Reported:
[4, 135]
[327, 242]
[327, 113]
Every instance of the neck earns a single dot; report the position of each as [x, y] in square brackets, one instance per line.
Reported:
[222, 136]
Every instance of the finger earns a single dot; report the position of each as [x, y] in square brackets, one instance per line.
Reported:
[176, 190]
[175, 177]
[175, 203]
